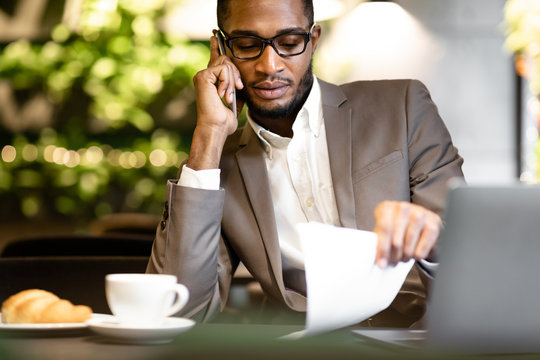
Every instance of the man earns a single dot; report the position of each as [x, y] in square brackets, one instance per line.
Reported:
[367, 155]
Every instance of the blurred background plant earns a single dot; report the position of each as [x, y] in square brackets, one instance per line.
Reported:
[522, 28]
[96, 117]
[522, 25]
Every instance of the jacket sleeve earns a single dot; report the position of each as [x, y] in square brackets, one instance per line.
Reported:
[188, 244]
[433, 160]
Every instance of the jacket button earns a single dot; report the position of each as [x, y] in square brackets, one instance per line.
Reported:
[163, 224]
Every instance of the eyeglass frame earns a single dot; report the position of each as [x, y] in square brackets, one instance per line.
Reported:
[267, 41]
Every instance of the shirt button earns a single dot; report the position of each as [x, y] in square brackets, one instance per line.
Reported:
[309, 202]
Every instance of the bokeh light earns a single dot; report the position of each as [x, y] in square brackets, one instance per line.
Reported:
[8, 153]
[30, 206]
[158, 157]
[30, 152]
[94, 155]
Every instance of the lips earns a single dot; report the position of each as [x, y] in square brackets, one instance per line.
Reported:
[269, 90]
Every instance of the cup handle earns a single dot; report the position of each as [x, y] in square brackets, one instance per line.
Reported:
[181, 300]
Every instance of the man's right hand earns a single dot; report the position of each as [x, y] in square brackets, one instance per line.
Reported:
[215, 121]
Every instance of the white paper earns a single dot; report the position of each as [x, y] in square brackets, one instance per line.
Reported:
[344, 285]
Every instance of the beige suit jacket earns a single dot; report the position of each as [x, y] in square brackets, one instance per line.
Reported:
[386, 141]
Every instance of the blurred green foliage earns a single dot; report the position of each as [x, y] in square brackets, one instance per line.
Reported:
[110, 147]
[522, 28]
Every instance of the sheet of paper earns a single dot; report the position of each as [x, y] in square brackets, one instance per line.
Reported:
[344, 286]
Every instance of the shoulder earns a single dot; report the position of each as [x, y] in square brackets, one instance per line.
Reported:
[374, 88]
[398, 87]
[378, 97]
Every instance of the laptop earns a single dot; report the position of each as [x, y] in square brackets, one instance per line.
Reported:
[486, 294]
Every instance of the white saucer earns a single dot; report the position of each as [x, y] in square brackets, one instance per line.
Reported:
[164, 333]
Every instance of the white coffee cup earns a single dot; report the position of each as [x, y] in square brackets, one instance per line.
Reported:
[144, 299]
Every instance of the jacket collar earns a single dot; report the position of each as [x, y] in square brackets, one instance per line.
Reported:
[337, 114]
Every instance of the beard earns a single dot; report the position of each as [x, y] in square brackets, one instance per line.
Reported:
[284, 111]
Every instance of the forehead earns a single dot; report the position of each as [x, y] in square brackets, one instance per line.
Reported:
[265, 17]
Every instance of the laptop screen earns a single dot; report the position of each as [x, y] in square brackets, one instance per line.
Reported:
[486, 294]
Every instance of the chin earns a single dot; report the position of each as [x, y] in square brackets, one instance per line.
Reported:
[276, 105]
[275, 112]
[273, 105]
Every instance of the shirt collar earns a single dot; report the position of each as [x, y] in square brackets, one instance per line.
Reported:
[309, 115]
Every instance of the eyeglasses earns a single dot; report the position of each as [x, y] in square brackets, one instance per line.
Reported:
[250, 47]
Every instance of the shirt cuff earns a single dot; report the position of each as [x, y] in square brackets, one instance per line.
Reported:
[200, 179]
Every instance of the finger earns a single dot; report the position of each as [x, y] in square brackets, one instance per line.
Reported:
[239, 84]
[233, 79]
[401, 222]
[232, 84]
[428, 238]
[236, 80]
[412, 235]
[223, 77]
[383, 228]
[214, 50]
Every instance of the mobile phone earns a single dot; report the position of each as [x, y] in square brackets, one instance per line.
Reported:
[221, 46]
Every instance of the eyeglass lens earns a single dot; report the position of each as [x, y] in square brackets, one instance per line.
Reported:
[286, 44]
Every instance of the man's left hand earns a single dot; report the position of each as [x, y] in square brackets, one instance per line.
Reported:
[405, 231]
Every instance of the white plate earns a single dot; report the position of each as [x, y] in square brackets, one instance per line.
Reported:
[164, 333]
[47, 327]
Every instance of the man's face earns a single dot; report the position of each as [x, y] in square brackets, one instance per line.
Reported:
[275, 86]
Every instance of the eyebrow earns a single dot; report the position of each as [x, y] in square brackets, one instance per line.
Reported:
[255, 33]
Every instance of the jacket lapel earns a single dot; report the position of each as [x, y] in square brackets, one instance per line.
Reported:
[337, 120]
[252, 168]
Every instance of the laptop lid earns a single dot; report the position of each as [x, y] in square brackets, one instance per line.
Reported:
[486, 295]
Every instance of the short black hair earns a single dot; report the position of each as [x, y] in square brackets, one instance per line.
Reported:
[223, 11]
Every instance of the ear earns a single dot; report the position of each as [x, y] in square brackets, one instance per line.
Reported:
[315, 35]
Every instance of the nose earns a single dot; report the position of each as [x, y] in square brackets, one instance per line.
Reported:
[269, 62]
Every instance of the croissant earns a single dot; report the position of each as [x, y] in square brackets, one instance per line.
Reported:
[40, 306]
